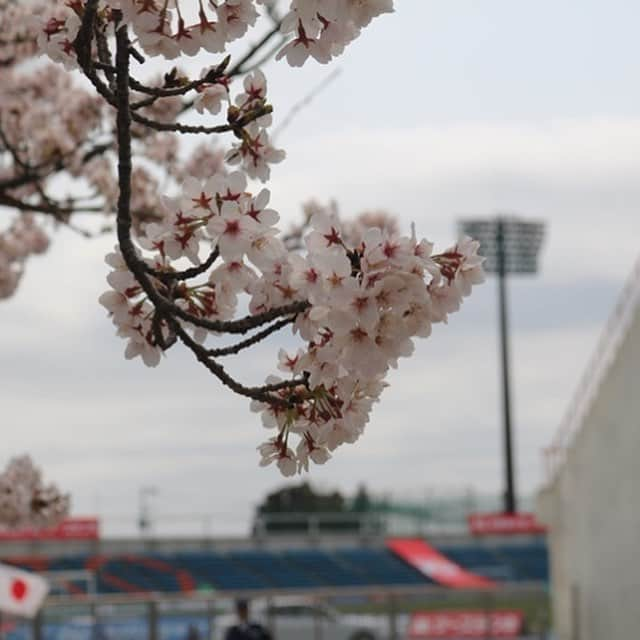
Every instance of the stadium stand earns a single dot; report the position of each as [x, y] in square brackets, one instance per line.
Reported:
[330, 569]
[217, 571]
[382, 566]
[256, 569]
[508, 563]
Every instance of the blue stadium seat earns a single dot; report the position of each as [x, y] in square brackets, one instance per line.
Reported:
[296, 568]
[326, 567]
[275, 568]
[211, 569]
[513, 563]
[380, 567]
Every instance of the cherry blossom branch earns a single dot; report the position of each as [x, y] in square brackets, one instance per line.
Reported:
[305, 102]
[51, 209]
[214, 74]
[13, 152]
[48, 205]
[177, 127]
[249, 342]
[104, 57]
[165, 310]
[185, 274]
[135, 265]
[82, 45]
[123, 124]
[358, 294]
[124, 221]
[238, 66]
[92, 28]
[262, 394]
[245, 324]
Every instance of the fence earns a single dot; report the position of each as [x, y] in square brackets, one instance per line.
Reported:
[315, 614]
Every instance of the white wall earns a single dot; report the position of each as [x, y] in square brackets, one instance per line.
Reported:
[593, 510]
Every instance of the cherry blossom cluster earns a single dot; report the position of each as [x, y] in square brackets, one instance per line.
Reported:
[78, 141]
[254, 152]
[21, 240]
[46, 95]
[355, 295]
[173, 32]
[367, 301]
[25, 501]
[218, 213]
[74, 144]
[18, 31]
[321, 28]
[32, 154]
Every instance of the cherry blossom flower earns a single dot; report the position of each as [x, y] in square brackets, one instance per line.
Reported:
[275, 450]
[301, 48]
[232, 231]
[311, 447]
[210, 98]
[255, 153]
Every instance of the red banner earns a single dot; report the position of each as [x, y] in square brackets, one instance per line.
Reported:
[433, 564]
[466, 624]
[483, 524]
[69, 529]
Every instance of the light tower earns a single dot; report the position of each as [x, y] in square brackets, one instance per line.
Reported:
[510, 245]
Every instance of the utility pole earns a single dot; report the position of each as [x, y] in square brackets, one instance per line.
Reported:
[145, 522]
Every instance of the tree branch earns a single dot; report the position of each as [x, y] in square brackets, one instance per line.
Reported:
[51, 209]
[249, 342]
[187, 128]
[82, 45]
[262, 394]
[164, 307]
[186, 274]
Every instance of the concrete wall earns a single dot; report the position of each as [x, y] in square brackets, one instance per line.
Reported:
[593, 510]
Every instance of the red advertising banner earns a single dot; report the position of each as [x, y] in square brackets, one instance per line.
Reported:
[483, 524]
[466, 624]
[69, 529]
[433, 564]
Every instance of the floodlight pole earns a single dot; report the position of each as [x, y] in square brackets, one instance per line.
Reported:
[510, 245]
[509, 494]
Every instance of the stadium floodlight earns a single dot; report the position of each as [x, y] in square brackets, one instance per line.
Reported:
[510, 245]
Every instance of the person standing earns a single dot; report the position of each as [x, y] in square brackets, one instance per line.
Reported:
[245, 629]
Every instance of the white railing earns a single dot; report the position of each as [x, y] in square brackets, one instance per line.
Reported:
[606, 351]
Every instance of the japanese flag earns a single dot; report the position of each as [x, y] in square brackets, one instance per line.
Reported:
[21, 593]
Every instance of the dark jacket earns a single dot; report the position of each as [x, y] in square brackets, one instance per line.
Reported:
[251, 631]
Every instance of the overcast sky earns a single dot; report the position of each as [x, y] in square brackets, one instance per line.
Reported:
[444, 109]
